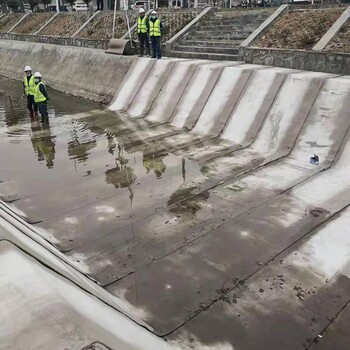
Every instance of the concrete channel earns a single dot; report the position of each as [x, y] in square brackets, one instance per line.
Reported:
[191, 200]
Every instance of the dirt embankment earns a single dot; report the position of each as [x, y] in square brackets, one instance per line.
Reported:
[66, 24]
[8, 21]
[33, 23]
[300, 29]
[341, 42]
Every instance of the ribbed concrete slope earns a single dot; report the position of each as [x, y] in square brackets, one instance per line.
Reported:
[211, 220]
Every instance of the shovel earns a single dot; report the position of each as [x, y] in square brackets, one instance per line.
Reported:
[121, 46]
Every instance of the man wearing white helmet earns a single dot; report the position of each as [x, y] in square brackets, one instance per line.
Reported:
[142, 31]
[29, 87]
[155, 32]
[41, 97]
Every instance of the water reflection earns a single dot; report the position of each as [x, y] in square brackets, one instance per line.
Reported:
[111, 144]
[82, 141]
[155, 162]
[122, 175]
[43, 142]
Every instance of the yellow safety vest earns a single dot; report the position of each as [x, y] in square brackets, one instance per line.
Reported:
[29, 88]
[38, 96]
[142, 25]
[154, 28]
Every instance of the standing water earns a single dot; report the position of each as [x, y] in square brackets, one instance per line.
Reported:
[72, 176]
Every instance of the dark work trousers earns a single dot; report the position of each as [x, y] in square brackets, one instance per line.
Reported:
[99, 5]
[31, 104]
[155, 40]
[43, 111]
[144, 42]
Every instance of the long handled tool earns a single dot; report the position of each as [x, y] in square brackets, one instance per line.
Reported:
[121, 46]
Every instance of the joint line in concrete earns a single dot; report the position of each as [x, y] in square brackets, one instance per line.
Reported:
[170, 43]
[17, 23]
[86, 23]
[46, 23]
[264, 26]
[333, 30]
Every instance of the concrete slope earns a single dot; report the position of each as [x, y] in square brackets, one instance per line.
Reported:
[289, 110]
[181, 100]
[288, 303]
[172, 91]
[279, 130]
[217, 109]
[247, 116]
[196, 94]
[236, 250]
[224, 202]
[131, 85]
[150, 88]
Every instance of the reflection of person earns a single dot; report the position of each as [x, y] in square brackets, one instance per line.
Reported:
[41, 97]
[155, 32]
[121, 175]
[29, 89]
[111, 143]
[142, 32]
[43, 143]
[155, 163]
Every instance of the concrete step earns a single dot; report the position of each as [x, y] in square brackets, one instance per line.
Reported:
[209, 43]
[227, 37]
[203, 55]
[216, 31]
[234, 20]
[206, 49]
[220, 27]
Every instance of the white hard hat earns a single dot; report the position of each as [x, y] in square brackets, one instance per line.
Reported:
[141, 10]
[37, 75]
[27, 68]
[153, 12]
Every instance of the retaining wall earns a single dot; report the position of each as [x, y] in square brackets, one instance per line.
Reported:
[57, 40]
[327, 62]
[82, 72]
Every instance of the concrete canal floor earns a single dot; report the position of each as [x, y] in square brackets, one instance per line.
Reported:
[212, 245]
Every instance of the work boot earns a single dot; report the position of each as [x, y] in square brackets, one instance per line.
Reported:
[36, 115]
[31, 114]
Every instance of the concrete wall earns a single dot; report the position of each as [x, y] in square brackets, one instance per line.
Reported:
[82, 72]
[298, 59]
[58, 40]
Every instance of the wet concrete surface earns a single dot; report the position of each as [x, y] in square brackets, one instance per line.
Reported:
[181, 229]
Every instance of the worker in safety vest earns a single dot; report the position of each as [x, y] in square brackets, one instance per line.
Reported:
[29, 87]
[142, 31]
[155, 31]
[41, 97]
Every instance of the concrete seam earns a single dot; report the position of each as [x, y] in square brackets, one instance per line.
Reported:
[173, 64]
[41, 262]
[264, 26]
[331, 320]
[86, 23]
[261, 126]
[140, 87]
[46, 23]
[243, 90]
[21, 19]
[221, 69]
[220, 182]
[214, 301]
[183, 93]
[250, 208]
[332, 31]
[172, 41]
